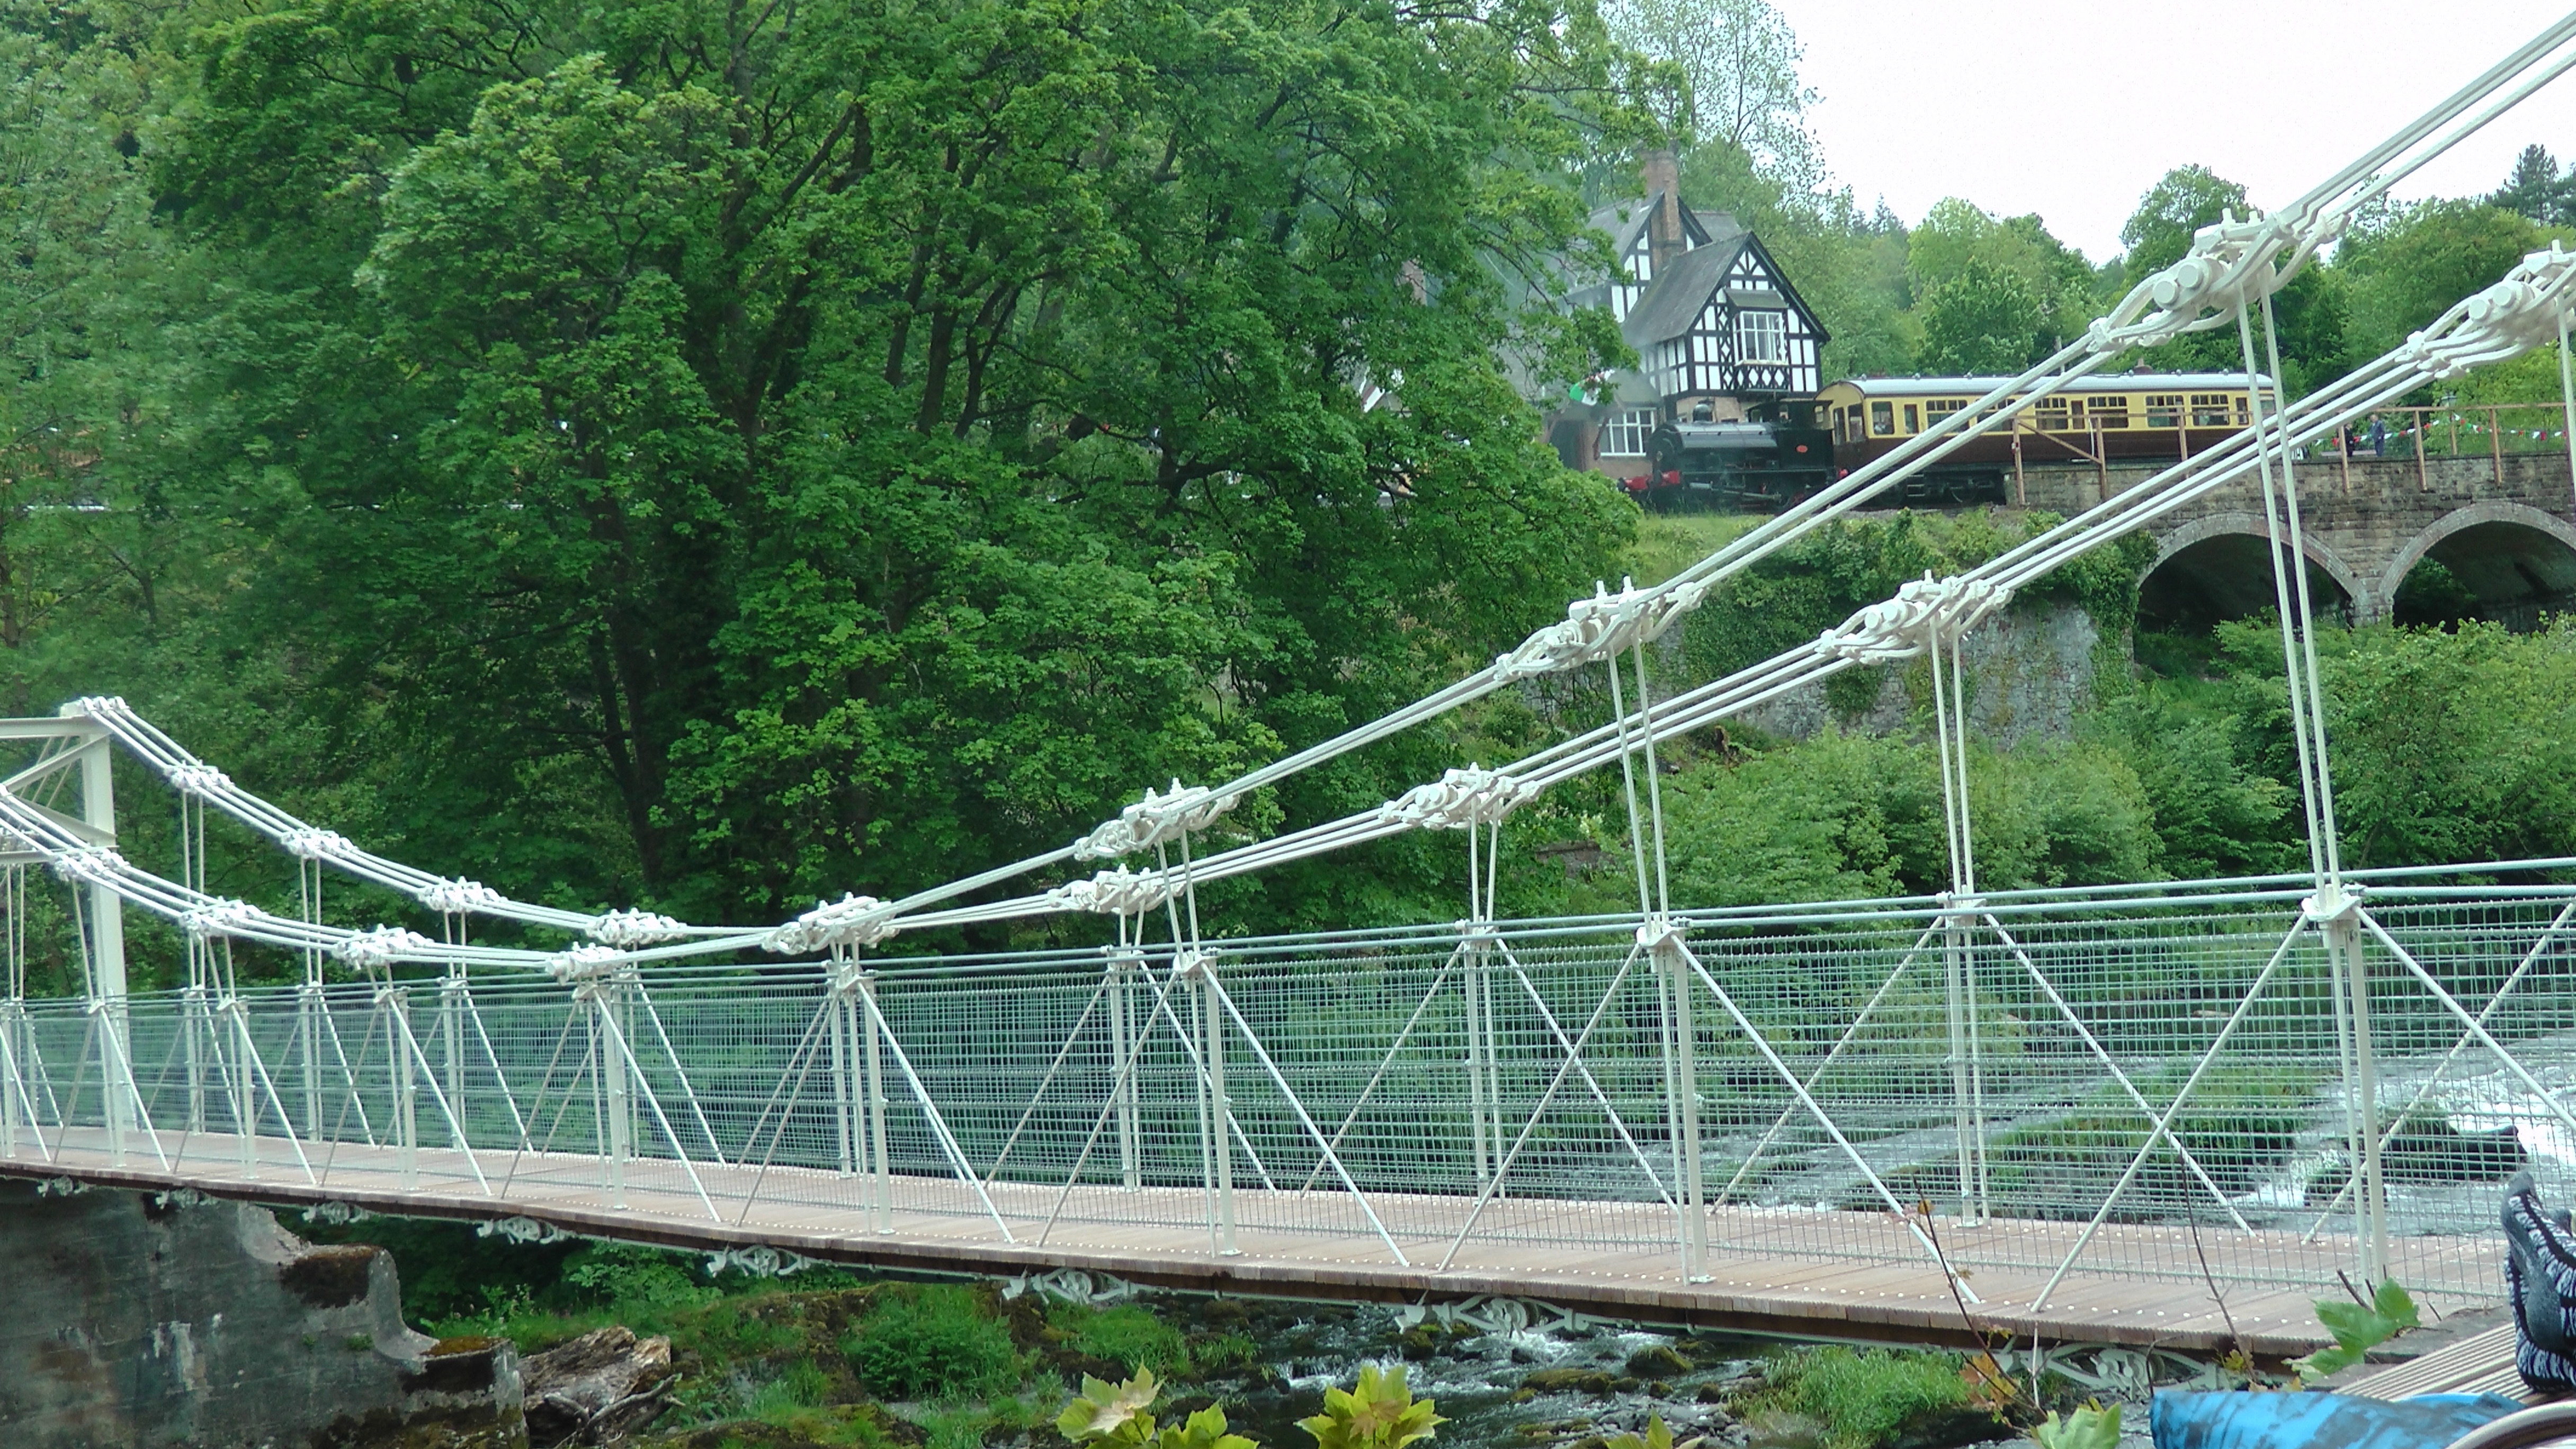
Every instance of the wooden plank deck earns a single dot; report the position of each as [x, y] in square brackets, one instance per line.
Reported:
[1803, 1273]
[2481, 1363]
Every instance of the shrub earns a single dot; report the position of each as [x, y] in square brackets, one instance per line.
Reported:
[1864, 1399]
[1127, 1335]
[933, 1342]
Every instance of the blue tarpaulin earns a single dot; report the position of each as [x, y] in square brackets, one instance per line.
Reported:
[2237, 1420]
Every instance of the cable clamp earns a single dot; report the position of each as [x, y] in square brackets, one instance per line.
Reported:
[1658, 931]
[2334, 902]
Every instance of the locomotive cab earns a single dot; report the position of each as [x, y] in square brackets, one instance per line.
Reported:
[1773, 458]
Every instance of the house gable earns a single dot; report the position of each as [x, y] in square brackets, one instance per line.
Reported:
[1723, 322]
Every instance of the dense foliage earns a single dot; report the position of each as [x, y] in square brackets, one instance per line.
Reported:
[723, 457]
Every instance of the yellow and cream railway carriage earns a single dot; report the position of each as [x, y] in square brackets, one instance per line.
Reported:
[2122, 417]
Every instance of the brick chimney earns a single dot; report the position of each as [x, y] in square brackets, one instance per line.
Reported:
[1661, 172]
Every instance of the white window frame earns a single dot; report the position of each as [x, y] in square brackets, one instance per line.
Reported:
[1764, 341]
[1632, 425]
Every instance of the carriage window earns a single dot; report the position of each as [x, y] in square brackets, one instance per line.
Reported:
[1624, 436]
[1941, 407]
[1913, 420]
[1761, 336]
[2108, 412]
[2164, 410]
[1882, 418]
[2210, 410]
[2051, 415]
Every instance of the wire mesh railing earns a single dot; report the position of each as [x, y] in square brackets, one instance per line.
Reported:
[2115, 1082]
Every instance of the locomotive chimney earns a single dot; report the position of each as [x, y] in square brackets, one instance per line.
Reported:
[1661, 172]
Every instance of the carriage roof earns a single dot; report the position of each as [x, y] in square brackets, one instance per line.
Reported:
[2111, 382]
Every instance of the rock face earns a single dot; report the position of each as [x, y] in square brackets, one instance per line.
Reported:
[142, 1319]
[596, 1388]
[2030, 669]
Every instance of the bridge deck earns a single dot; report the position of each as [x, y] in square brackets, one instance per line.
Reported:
[1822, 1274]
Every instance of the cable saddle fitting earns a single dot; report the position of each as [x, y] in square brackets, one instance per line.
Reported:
[457, 897]
[2336, 902]
[220, 918]
[850, 921]
[1924, 612]
[319, 845]
[1159, 818]
[1601, 626]
[201, 781]
[1120, 892]
[2517, 314]
[629, 929]
[2231, 263]
[1458, 800]
[88, 864]
[381, 947]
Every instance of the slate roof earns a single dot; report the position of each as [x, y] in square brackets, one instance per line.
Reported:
[1674, 299]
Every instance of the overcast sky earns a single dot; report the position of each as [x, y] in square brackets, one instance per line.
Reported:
[2073, 110]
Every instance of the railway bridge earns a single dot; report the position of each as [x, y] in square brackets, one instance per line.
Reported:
[2156, 1113]
[2501, 524]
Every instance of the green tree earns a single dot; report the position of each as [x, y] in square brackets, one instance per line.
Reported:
[1956, 232]
[2537, 189]
[806, 449]
[1738, 61]
[2407, 265]
[2174, 210]
[1985, 319]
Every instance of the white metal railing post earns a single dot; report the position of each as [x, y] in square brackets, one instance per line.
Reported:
[1967, 1069]
[616, 1105]
[400, 1082]
[106, 942]
[192, 1009]
[1124, 965]
[244, 1085]
[1481, 984]
[451, 1040]
[2342, 932]
[1475, 1022]
[15, 1032]
[1220, 1104]
[849, 1109]
[14, 1089]
[1673, 976]
[884, 1168]
[1484, 1104]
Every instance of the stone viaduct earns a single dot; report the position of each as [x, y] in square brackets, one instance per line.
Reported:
[2503, 525]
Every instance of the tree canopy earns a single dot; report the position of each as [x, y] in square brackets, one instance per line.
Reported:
[770, 452]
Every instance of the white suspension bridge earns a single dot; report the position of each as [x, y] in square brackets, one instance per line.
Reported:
[2165, 1112]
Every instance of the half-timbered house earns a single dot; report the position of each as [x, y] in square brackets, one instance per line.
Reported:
[1716, 326]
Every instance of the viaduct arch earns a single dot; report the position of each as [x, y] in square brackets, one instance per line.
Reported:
[2503, 528]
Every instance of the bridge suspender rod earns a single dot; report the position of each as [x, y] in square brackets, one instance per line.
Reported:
[2567, 394]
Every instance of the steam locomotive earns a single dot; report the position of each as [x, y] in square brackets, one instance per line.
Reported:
[1779, 454]
[1787, 449]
